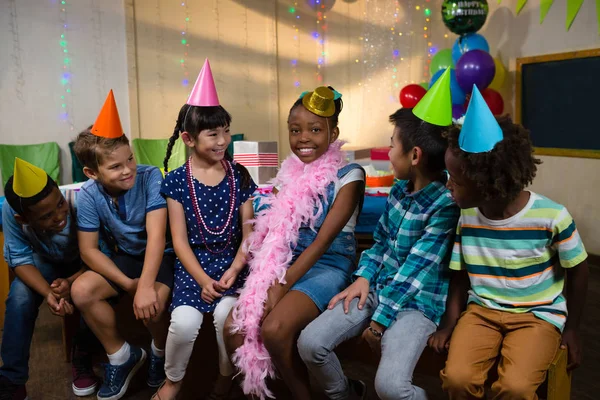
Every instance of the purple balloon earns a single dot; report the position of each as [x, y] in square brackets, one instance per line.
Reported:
[458, 110]
[475, 67]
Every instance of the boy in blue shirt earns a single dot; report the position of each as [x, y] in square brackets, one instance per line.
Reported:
[122, 200]
[40, 246]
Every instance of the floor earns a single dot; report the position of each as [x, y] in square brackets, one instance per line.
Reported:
[50, 374]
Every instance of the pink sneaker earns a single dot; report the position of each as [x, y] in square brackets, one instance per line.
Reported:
[85, 382]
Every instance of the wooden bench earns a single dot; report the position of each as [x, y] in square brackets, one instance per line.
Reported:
[203, 365]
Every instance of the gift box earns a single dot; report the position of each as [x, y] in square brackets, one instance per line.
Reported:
[354, 153]
[234, 138]
[380, 153]
[260, 159]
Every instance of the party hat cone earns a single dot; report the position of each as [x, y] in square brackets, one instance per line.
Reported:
[480, 131]
[108, 124]
[28, 180]
[204, 93]
[436, 106]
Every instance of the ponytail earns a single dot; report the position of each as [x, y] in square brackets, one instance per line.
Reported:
[174, 137]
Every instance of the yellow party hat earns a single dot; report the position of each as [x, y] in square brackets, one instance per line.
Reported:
[320, 102]
[28, 180]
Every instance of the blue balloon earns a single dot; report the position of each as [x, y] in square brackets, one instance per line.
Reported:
[468, 42]
[458, 95]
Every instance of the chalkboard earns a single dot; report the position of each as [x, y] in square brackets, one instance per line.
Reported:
[558, 100]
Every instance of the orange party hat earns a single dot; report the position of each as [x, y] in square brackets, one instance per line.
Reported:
[108, 124]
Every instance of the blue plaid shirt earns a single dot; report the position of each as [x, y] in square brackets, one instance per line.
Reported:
[408, 264]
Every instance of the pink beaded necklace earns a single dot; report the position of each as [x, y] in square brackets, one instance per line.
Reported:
[198, 213]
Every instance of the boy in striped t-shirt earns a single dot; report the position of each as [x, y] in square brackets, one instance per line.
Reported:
[515, 248]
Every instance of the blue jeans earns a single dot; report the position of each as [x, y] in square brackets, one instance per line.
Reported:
[22, 306]
[401, 347]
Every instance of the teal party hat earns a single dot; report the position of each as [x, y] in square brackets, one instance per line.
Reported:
[480, 131]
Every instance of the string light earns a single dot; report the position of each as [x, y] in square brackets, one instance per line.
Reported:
[395, 52]
[65, 75]
[185, 43]
[320, 37]
[294, 62]
[430, 49]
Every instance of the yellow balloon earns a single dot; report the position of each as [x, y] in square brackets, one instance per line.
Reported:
[500, 76]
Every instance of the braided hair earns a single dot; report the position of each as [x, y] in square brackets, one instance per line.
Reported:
[193, 120]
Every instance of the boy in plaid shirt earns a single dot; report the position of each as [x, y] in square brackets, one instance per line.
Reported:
[399, 294]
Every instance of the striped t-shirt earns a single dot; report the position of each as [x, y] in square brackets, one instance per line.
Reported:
[517, 264]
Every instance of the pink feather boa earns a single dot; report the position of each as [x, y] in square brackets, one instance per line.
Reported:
[276, 231]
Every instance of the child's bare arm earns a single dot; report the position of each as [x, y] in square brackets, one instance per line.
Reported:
[455, 305]
[100, 263]
[577, 285]
[229, 277]
[32, 277]
[156, 228]
[145, 301]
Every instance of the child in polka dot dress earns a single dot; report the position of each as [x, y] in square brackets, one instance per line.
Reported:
[208, 199]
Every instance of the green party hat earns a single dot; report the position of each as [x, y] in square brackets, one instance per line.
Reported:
[436, 106]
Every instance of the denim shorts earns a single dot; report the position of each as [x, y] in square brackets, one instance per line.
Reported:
[321, 283]
[330, 274]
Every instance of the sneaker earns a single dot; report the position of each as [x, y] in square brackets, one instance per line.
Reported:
[156, 371]
[85, 382]
[117, 377]
[358, 389]
[10, 391]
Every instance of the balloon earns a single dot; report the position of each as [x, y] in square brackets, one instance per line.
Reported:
[441, 61]
[500, 76]
[494, 101]
[475, 67]
[464, 16]
[321, 5]
[410, 95]
[424, 85]
[458, 95]
[468, 42]
[458, 110]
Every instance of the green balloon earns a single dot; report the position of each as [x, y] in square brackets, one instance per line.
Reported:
[424, 85]
[442, 60]
[464, 16]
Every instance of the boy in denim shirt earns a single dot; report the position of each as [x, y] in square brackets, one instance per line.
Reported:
[40, 246]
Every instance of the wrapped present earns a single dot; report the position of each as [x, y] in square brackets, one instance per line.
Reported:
[260, 158]
[354, 153]
[380, 153]
[234, 138]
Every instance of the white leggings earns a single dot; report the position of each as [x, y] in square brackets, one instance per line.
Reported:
[185, 324]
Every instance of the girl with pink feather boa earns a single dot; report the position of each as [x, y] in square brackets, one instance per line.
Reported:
[302, 251]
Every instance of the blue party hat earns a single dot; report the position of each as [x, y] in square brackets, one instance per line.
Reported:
[480, 131]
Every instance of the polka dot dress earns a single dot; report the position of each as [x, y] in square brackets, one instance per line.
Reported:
[213, 202]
